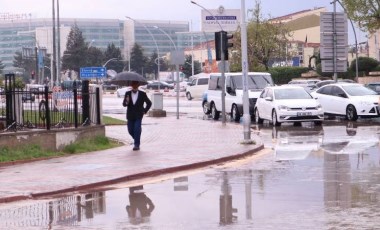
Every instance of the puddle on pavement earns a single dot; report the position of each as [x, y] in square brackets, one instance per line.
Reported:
[319, 178]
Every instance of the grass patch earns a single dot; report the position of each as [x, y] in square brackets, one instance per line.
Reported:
[113, 121]
[35, 152]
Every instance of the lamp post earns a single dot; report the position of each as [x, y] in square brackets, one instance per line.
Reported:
[111, 59]
[222, 59]
[177, 67]
[155, 42]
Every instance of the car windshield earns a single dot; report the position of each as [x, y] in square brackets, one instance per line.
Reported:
[358, 90]
[255, 82]
[281, 94]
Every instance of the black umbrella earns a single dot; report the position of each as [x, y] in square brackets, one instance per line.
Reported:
[125, 78]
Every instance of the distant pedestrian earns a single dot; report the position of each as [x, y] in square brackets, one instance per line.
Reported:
[134, 101]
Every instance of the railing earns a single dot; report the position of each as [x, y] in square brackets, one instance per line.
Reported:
[48, 109]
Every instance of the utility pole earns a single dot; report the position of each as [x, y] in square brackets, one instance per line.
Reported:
[244, 61]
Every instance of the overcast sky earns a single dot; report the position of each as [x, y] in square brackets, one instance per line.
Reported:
[181, 10]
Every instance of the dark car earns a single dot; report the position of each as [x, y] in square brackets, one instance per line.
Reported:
[28, 96]
[375, 86]
[159, 85]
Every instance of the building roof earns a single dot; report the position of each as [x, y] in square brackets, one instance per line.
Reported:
[298, 14]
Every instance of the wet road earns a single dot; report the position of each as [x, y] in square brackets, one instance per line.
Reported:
[312, 178]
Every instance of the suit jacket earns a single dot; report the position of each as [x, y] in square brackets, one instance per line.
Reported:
[136, 111]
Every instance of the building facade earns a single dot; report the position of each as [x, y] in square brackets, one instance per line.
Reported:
[29, 33]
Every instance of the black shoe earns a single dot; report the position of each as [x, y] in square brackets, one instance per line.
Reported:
[136, 148]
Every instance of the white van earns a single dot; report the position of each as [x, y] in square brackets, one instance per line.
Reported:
[197, 87]
[257, 81]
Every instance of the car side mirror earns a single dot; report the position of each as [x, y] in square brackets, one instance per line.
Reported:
[230, 90]
[342, 95]
[268, 99]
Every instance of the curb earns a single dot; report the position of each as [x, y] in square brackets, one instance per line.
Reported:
[142, 175]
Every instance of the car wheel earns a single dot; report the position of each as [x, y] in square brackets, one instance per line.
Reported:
[274, 119]
[214, 113]
[235, 115]
[257, 117]
[351, 114]
[206, 109]
[188, 96]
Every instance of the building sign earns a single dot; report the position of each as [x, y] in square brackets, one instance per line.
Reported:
[228, 19]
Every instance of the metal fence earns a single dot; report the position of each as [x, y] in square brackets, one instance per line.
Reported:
[48, 108]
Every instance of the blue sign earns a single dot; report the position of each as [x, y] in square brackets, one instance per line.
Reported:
[93, 72]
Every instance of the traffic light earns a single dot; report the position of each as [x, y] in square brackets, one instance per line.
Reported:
[222, 44]
[33, 74]
[218, 38]
[227, 39]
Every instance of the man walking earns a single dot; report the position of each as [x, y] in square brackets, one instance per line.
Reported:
[134, 101]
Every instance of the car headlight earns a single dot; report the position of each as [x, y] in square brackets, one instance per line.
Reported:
[319, 106]
[283, 107]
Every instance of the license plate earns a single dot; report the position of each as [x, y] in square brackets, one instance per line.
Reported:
[303, 114]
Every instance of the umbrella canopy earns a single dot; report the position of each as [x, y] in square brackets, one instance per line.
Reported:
[125, 78]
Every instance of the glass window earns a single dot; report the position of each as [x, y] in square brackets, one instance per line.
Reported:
[325, 90]
[358, 90]
[254, 81]
[336, 91]
[203, 81]
[281, 94]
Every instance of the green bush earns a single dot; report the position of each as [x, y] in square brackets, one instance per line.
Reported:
[365, 64]
[282, 75]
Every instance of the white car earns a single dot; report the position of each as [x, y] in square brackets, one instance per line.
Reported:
[287, 103]
[348, 99]
[121, 91]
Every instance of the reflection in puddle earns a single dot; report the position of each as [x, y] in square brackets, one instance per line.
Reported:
[314, 189]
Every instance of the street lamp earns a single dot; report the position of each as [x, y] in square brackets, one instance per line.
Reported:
[111, 59]
[167, 35]
[222, 59]
[177, 67]
[155, 42]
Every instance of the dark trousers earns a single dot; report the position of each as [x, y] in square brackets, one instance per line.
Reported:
[134, 129]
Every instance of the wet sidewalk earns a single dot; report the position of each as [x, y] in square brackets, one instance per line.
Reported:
[168, 145]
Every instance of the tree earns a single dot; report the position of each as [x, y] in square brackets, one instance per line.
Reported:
[94, 57]
[186, 67]
[138, 60]
[28, 64]
[266, 40]
[113, 52]
[365, 12]
[76, 51]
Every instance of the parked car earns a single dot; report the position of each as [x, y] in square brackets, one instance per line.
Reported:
[326, 82]
[308, 84]
[233, 84]
[182, 86]
[28, 96]
[286, 103]
[197, 87]
[159, 85]
[121, 91]
[375, 86]
[351, 100]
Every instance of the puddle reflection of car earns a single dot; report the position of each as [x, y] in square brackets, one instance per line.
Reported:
[349, 140]
[28, 96]
[296, 143]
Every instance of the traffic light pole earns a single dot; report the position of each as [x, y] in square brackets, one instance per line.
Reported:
[222, 59]
[244, 61]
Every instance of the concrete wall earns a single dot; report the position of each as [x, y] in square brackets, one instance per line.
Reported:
[50, 140]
